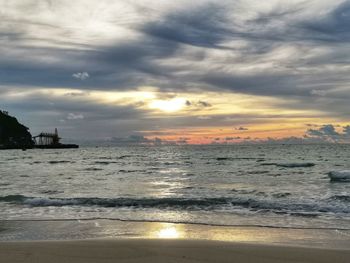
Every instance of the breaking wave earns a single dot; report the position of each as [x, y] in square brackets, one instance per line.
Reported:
[224, 203]
[289, 165]
[339, 176]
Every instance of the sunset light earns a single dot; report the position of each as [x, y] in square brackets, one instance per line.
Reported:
[169, 232]
[155, 130]
[168, 105]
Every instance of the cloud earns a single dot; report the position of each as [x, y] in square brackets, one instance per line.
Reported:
[233, 138]
[74, 116]
[141, 140]
[203, 26]
[198, 104]
[346, 130]
[241, 128]
[328, 132]
[204, 104]
[333, 25]
[182, 140]
[81, 75]
[325, 130]
[297, 53]
[291, 140]
[77, 93]
[132, 139]
[204, 117]
[318, 92]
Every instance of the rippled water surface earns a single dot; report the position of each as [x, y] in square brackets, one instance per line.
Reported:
[278, 186]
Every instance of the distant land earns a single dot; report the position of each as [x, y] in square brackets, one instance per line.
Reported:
[14, 135]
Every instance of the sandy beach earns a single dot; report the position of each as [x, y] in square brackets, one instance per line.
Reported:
[158, 250]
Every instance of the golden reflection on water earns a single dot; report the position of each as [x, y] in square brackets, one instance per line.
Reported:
[171, 182]
[183, 231]
[170, 232]
[165, 230]
[263, 235]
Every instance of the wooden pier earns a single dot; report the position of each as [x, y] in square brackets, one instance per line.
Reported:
[50, 141]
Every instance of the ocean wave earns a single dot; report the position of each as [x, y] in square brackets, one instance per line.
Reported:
[281, 195]
[250, 192]
[344, 198]
[235, 158]
[93, 169]
[289, 165]
[104, 162]
[258, 172]
[51, 192]
[268, 164]
[295, 165]
[339, 176]
[57, 162]
[129, 171]
[126, 156]
[13, 198]
[224, 203]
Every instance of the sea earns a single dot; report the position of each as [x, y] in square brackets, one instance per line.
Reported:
[270, 186]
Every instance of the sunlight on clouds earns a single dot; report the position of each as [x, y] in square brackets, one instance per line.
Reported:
[212, 66]
[168, 105]
[122, 98]
[158, 104]
[192, 117]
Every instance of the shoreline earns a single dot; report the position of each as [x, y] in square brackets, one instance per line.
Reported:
[134, 250]
[175, 223]
[84, 230]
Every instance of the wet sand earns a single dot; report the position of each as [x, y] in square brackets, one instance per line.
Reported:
[161, 250]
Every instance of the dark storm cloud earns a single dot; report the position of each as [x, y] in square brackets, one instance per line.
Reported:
[203, 26]
[34, 66]
[121, 66]
[296, 76]
[259, 84]
[333, 27]
[297, 52]
[132, 63]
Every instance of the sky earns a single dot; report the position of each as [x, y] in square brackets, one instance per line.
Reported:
[178, 72]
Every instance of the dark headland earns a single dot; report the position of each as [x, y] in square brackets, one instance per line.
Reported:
[14, 135]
